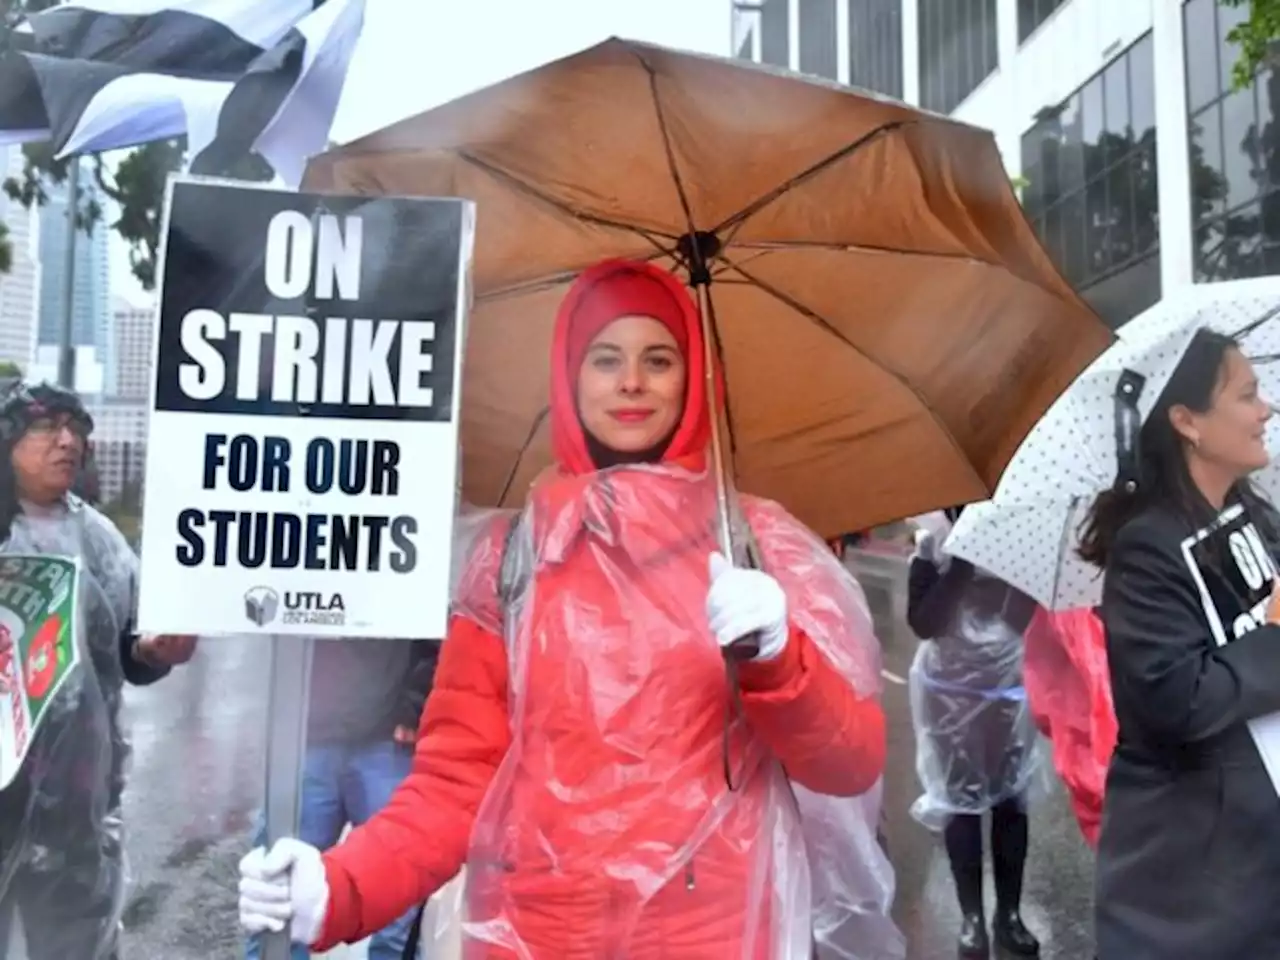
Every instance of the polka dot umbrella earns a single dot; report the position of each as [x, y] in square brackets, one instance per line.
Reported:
[1028, 532]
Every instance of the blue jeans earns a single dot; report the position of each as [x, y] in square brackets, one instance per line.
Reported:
[342, 785]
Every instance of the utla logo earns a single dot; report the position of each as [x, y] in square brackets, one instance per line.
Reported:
[313, 600]
[261, 605]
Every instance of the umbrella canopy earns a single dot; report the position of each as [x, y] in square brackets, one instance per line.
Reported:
[1072, 452]
[1031, 546]
[1028, 534]
[888, 325]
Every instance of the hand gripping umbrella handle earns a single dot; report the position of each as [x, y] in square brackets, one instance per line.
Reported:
[744, 648]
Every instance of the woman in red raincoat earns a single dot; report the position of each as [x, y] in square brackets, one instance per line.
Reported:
[1069, 690]
[581, 753]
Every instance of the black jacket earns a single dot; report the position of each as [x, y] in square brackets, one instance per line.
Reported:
[1189, 854]
[361, 690]
[135, 671]
[932, 596]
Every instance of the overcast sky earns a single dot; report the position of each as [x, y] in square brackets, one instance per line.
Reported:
[415, 54]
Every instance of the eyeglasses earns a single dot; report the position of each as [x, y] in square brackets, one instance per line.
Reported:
[51, 427]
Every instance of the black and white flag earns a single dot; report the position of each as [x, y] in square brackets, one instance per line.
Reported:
[233, 75]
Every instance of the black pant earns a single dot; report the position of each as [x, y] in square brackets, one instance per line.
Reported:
[1009, 838]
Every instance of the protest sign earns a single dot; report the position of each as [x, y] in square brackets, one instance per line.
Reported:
[1234, 573]
[38, 649]
[304, 426]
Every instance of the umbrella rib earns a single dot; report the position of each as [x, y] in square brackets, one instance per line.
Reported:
[547, 282]
[823, 324]
[665, 131]
[785, 187]
[524, 448]
[1064, 542]
[763, 246]
[530, 190]
[1253, 325]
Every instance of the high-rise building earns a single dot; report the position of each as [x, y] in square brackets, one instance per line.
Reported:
[91, 304]
[858, 42]
[119, 443]
[134, 330]
[20, 287]
[1075, 92]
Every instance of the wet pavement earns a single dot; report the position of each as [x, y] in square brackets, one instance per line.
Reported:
[197, 779]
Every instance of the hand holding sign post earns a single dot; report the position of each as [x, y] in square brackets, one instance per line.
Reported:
[305, 429]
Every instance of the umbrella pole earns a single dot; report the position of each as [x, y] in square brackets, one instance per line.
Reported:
[744, 648]
[724, 514]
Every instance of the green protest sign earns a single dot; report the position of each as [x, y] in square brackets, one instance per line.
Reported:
[38, 649]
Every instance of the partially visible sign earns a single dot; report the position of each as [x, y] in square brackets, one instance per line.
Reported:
[305, 414]
[38, 649]
[1235, 572]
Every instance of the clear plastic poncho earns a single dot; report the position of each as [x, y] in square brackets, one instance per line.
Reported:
[62, 863]
[976, 741]
[611, 815]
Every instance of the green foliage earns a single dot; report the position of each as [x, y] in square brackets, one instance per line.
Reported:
[6, 250]
[137, 187]
[10, 369]
[1256, 38]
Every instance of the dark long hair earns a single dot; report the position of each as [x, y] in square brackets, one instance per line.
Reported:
[1163, 477]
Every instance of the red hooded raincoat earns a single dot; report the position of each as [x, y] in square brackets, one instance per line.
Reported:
[572, 752]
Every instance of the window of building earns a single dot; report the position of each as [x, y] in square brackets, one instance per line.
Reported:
[746, 21]
[1234, 152]
[875, 45]
[1032, 13]
[818, 38]
[957, 50]
[1091, 194]
[775, 33]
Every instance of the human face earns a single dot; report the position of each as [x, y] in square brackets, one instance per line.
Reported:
[631, 385]
[1230, 437]
[47, 457]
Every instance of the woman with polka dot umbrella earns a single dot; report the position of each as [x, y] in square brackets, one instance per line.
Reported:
[1155, 467]
[1028, 533]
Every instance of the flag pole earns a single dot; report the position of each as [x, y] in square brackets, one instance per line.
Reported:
[66, 352]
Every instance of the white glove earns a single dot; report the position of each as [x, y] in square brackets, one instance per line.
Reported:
[284, 886]
[742, 602]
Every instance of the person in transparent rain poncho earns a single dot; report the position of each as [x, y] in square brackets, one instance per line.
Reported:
[976, 743]
[62, 865]
[576, 752]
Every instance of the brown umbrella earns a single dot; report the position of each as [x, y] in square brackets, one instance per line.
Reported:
[889, 327]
